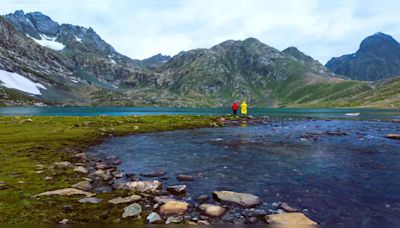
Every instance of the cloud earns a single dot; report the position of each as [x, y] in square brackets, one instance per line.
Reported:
[142, 28]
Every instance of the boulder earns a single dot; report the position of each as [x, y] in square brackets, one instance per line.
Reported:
[153, 218]
[81, 169]
[287, 208]
[177, 189]
[141, 186]
[129, 199]
[183, 177]
[90, 200]
[66, 192]
[83, 185]
[174, 208]
[63, 165]
[133, 210]
[174, 219]
[243, 199]
[154, 174]
[393, 136]
[289, 219]
[211, 210]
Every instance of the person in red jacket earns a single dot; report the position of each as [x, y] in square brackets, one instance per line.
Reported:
[235, 107]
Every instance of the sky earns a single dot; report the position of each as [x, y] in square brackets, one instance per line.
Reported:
[141, 28]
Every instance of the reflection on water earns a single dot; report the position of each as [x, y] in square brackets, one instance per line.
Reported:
[337, 171]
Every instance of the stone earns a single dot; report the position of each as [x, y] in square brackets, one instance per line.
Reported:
[101, 165]
[129, 199]
[133, 210]
[289, 219]
[191, 223]
[177, 189]
[103, 189]
[284, 206]
[90, 200]
[154, 174]
[83, 185]
[248, 213]
[163, 199]
[393, 136]
[183, 177]
[174, 208]
[101, 173]
[63, 165]
[202, 198]
[64, 221]
[243, 199]
[203, 222]
[66, 192]
[80, 169]
[141, 186]
[81, 157]
[211, 210]
[252, 220]
[174, 219]
[153, 218]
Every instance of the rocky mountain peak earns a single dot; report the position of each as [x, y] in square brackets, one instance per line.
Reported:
[295, 52]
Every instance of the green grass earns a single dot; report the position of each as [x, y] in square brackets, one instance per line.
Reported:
[28, 141]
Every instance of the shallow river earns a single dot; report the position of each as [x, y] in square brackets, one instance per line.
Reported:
[336, 171]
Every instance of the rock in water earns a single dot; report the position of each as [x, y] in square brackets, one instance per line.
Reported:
[140, 186]
[393, 136]
[129, 199]
[177, 189]
[174, 219]
[244, 199]
[289, 219]
[211, 210]
[133, 210]
[183, 177]
[90, 200]
[66, 192]
[155, 174]
[174, 208]
[153, 218]
[287, 208]
[83, 185]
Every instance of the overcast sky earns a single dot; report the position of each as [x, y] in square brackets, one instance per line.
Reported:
[142, 28]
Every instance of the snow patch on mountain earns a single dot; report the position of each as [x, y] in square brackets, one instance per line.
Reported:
[49, 42]
[19, 82]
[78, 39]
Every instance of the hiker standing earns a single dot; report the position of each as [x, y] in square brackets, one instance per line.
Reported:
[243, 107]
[235, 107]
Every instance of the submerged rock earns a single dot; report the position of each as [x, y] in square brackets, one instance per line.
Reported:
[174, 208]
[244, 199]
[289, 219]
[90, 200]
[66, 192]
[287, 208]
[129, 199]
[177, 189]
[133, 210]
[211, 210]
[153, 218]
[140, 186]
[202, 198]
[155, 174]
[174, 219]
[83, 185]
[183, 177]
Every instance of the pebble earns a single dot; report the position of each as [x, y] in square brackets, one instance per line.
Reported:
[153, 218]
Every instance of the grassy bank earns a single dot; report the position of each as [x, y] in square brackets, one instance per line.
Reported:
[27, 143]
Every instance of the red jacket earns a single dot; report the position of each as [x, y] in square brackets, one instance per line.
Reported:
[235, 106]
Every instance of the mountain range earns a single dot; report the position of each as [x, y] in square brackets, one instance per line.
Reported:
[63, 64]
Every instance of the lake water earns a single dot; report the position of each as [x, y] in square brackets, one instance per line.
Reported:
[125, 111]
[348, 176]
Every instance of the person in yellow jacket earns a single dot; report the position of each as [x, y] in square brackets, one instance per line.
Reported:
[243, 108]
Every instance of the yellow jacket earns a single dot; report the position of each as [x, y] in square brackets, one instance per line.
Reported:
[243, 107]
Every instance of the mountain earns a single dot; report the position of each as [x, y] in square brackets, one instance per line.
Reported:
[377, 58]
[155, 61]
